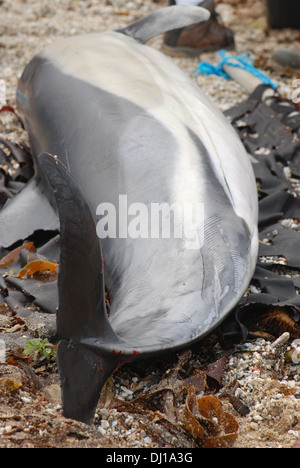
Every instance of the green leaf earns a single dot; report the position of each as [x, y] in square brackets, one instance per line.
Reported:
[39, 346]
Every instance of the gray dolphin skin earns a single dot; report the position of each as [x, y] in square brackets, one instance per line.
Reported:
[113, 123]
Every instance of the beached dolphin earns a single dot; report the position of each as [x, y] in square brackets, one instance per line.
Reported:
[127, 125]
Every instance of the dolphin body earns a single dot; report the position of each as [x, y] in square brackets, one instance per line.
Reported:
[122, 119]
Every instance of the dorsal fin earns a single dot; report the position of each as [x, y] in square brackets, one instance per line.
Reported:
[163, 20]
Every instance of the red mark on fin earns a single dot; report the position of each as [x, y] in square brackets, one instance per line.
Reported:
[12, 110]
[125, 359]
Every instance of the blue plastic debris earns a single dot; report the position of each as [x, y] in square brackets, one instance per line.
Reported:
[243, 61]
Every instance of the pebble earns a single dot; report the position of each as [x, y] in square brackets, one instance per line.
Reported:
[101, 430]
[105, 424]
[281, 340]
[26, 399]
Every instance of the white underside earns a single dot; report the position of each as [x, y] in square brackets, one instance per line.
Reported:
[152, 81]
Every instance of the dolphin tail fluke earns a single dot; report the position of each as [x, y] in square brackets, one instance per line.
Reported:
[164, 20]
[27, 212]
[84, 355]
[83, 373]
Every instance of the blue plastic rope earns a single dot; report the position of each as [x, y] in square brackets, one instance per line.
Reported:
[208, 69]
